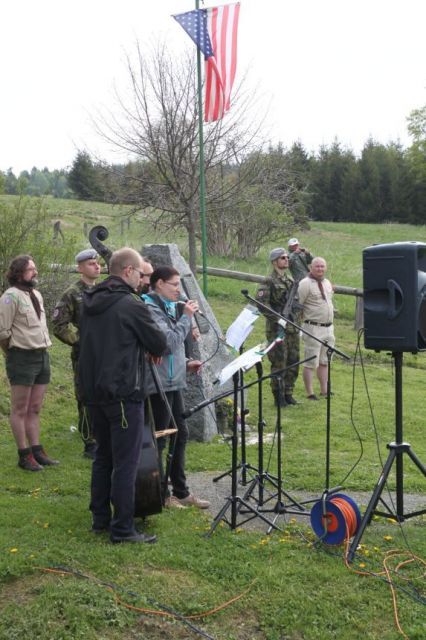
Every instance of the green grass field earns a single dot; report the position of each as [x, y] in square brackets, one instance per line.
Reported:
[59, 582]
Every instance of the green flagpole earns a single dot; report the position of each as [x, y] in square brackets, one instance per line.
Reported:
[202, 176]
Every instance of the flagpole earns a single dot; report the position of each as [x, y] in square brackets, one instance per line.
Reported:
[202, 174]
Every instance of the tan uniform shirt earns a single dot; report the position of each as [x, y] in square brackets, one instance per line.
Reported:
[19, 323]
[315, 308]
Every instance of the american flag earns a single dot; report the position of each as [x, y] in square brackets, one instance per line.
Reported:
[214, 31]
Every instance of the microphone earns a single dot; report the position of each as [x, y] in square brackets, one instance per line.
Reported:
[197, 407]
[184, 303]
[244, 292]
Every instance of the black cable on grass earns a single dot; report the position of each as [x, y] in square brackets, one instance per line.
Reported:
[116, 589]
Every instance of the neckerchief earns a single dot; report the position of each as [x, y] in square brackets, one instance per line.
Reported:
[34, 299]
[320, 285]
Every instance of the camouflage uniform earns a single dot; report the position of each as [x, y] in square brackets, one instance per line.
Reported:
[298, 263]
[66, 321]
[274, 293]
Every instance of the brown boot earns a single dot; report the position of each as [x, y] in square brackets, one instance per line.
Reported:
[41, 456]
[27, 461]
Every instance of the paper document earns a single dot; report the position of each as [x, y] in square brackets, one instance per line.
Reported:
[242, 327]
[245, 362]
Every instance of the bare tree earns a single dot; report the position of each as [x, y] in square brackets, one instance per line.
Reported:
[157, 124]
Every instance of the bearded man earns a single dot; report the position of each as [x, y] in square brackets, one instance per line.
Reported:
[24, 338]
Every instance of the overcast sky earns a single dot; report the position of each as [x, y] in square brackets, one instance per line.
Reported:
[349, 69]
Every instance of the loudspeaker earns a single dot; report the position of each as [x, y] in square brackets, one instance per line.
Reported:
[395, 296]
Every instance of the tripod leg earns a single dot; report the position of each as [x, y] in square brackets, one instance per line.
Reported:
[372, 504]
[416, 461]
[220, 516]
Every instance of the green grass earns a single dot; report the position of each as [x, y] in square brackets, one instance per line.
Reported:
[289, 587]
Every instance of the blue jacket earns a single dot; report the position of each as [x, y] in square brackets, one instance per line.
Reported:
[172, 370]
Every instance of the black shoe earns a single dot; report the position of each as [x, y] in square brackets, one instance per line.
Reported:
[41, 456]
[89, 450]
[137, 537]
[290, 400]
[98, 529]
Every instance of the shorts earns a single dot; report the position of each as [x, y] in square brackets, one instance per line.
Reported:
[315, 348]
[28, 367]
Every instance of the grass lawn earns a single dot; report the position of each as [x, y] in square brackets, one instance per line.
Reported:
[58, 581]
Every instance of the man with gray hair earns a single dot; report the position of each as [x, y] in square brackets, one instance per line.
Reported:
[116, 331]
[315, 293]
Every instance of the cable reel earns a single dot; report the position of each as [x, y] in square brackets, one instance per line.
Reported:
[336, 519]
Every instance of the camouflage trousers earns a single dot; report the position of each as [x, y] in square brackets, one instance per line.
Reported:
[284, 355]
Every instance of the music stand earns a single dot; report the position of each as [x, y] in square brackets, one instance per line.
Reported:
[396, 451]
[235, 502]
[263, 476]
[243, 465]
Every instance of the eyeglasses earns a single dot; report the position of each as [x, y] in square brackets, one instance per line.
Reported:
[283, 258]
[141, 273]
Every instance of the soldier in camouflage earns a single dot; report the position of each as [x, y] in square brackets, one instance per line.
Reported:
[277, 293]
[66, 321]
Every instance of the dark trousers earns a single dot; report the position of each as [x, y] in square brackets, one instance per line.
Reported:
[118, 431]
[177, 443]
[85, 428]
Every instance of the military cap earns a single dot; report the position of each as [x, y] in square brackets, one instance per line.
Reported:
[86, 254]
[277, 253]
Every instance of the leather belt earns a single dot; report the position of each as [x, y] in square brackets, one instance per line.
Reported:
[319, 324]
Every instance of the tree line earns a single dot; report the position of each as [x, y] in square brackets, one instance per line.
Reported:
[386, 183]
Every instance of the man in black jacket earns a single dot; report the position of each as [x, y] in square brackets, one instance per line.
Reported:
[116, 330]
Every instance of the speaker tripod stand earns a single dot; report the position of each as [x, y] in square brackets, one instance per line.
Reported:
[397, 450]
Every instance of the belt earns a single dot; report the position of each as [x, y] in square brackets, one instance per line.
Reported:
[319, 324]
[27, 350]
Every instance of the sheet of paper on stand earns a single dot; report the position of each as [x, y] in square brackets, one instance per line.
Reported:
[245, 361]
[242, 327]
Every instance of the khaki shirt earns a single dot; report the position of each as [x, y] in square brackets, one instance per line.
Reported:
[315, 308]
[19, 323]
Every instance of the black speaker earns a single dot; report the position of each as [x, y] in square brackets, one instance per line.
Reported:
[395, 296]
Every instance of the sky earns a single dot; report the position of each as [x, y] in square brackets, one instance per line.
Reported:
[340, 69]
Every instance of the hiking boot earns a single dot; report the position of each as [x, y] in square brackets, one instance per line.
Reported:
[279, 399]
[41, 456]
[172, 502]
[27, 461]
[136, 537]
[289, 399]
[193, 501]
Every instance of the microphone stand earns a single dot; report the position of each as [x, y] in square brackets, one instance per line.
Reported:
[330, 350]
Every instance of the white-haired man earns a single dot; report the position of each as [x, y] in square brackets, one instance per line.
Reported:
[315, 293]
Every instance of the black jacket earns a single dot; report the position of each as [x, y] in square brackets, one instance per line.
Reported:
[116, 329]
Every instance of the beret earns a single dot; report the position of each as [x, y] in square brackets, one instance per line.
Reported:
[276, 253]
[86, 254]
